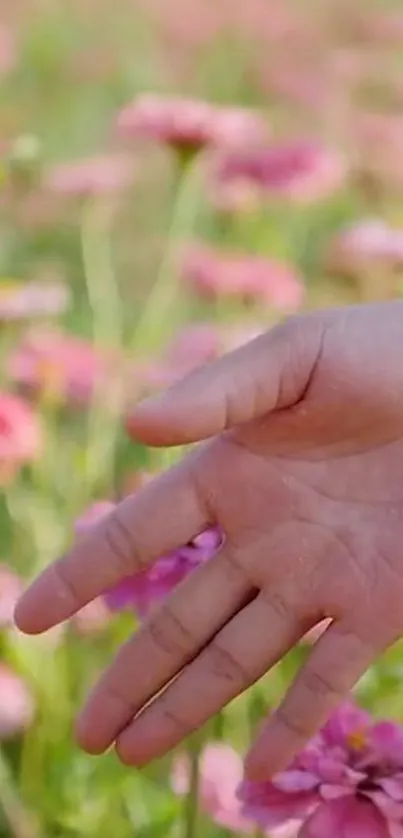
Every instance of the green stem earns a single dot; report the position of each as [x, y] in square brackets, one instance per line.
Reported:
[158, 315]
[218, 726]
[191, 811]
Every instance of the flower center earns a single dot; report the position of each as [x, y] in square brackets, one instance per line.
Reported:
[357, 740]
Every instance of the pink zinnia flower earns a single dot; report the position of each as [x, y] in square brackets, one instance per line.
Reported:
[16, 704]
[100, 175]
[215, 274]
[189, 125]
[369, 243]
[20, 435]
[59, 365]
[347, 782]
[220, 776]
[26, 300]
[221, 772]
[299, 171]
[10, 592]
[140, 591]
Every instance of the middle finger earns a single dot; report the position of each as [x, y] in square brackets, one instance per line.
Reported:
[167, 640]
[242, 651]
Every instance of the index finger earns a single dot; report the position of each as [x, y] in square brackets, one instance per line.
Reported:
[162, 516]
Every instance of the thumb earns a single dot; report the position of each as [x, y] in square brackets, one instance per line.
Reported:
[269, 373]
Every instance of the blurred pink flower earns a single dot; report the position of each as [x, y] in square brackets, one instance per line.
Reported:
[219, 274]
[220, 776]
[20, 435]
[64, 367]
[100, 175]
[188, 125]
[8, 52]
[141, 591]
[369, 244]
[16, 704]
[193, 346]
[348, 781]
[26, 300]
[221, 772]
[10, 591]
[299, 171]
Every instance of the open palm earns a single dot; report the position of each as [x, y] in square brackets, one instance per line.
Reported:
[303, 471]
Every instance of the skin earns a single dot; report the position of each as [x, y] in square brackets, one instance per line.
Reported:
[300, 462]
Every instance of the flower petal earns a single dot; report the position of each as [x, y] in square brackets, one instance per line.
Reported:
[345, 818]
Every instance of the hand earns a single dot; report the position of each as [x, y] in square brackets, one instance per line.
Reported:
[303, 471]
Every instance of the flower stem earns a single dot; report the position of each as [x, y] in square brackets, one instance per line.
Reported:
[191, 811]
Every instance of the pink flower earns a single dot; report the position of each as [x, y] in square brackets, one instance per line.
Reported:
[221, 772]
[215, 274]
[100, 175]
[20, 301]
[299, 171]
[189, 125]
[20, 435]
[141, 591]
[220, 776]
[10, 591]
[59, 365]
[369, 243]
[16, 704]
[347, 782]
[8, 52]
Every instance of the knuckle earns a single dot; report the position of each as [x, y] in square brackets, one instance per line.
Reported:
[121, 544]
[117, 693]
[169, 633]
[277, 605]
[176, 725]
[232, 559]
[299, 727]
[224, 665]
[66, 587]
[321, 683]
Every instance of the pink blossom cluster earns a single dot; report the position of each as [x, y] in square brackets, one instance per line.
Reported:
[17, 705]
[142, 590]
[251, 278]
[189, 125]
[346, 783]
[20, 435]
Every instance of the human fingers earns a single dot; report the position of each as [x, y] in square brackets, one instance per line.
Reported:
[173, 634]
[271, 372]
[240, 653]
[161, 516]
[338, 659]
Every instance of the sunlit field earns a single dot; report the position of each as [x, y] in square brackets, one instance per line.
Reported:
[175, 178]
